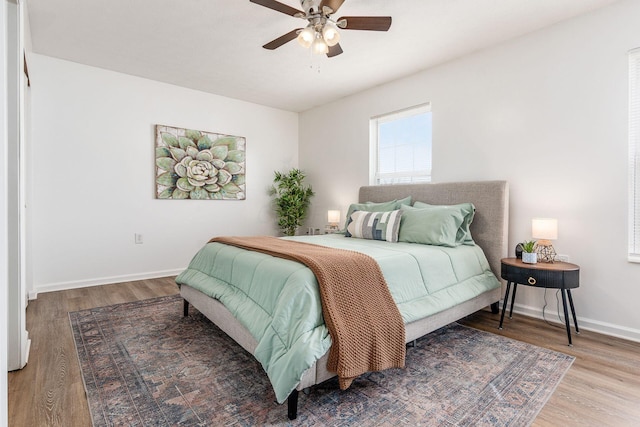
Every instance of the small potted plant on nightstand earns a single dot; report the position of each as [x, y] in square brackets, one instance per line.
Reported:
[529, 254]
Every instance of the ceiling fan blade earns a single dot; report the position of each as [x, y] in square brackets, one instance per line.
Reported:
[277, 6]
[372, 23]
[333, 4]
[274, 44]
[334, 51]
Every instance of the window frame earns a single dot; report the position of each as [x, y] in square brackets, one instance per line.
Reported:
[374, 149]
[634, 156]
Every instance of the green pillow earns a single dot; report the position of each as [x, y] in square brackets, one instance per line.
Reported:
[433, 226]
[467, 210]
[376, 207]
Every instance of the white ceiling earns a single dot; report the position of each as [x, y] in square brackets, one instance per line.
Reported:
[215, 45]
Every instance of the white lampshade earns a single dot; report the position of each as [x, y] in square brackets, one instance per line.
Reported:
[330, 34]
[319, 46]
[306, 37]
[544, 228]
[333, 217]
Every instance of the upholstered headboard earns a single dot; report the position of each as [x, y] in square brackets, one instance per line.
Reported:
[490, 225]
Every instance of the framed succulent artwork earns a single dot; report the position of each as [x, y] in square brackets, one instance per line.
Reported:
[199, 165]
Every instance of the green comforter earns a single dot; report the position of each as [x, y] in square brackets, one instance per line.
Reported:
[278, 301]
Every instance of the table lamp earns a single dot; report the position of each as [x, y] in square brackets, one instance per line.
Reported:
[333, 218]
[545, 230]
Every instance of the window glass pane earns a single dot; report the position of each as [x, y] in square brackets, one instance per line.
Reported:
[402, 146]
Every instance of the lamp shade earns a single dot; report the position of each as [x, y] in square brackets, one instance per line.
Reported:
[544, 228]
[333, 217]
[306, 37]
[330, 34]
[319, 46]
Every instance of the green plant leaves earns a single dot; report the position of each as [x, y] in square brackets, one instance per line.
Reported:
[165, 194]
[528, 246]
[169, 139]
[235, 156]
[162, 152]
[167, 179]
[179, 194]
[205, 156]
[231, 188]
[193, 135]
[217, 163]
[185, 142]
[192, 152]
[184, 185]
[220, 152]
[178, 153]
[212, 188]
[199, 193]
[166, 163]
[204, 143]
[292, 199]
[229, 142]
[223, 177]
[233, 168]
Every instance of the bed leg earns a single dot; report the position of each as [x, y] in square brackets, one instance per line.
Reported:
[495, 309]
[185, 308]
[292, 405]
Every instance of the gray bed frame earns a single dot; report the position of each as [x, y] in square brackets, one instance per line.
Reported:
[489, 230]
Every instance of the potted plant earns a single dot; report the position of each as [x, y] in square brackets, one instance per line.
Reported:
[292, 200]
[529, 255]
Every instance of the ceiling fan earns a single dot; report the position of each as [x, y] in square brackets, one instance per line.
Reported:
[321, 33]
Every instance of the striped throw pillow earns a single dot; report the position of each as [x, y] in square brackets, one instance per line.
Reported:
[374, 225]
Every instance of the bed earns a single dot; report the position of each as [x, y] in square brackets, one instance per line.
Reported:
[299, 360]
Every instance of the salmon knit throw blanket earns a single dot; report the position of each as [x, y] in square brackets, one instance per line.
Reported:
[366, 328]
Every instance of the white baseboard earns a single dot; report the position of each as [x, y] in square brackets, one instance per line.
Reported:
[27, 349]
[62, 286]
[583, 323]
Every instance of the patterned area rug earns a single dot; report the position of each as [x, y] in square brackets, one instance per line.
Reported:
[143, 363]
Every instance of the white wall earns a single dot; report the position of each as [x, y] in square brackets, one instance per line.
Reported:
[92, 174]
[548, 113]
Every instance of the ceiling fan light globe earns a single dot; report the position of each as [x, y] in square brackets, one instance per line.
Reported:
[331, 35]
[306, 37]
[319, 46]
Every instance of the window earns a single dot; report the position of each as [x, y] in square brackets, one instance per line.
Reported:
[401, 146]
[634, 155]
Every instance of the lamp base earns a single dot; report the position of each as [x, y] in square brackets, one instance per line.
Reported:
[331, 229]
[546, 253]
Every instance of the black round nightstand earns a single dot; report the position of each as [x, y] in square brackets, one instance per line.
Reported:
[557, 275]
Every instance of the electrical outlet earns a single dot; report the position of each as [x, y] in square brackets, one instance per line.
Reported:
[562, 258]
[138, 238]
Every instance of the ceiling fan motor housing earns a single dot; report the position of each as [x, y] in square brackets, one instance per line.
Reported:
[310, 7]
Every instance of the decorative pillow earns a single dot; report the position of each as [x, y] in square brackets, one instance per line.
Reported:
[467, 210]
[376, 207]
[374, 225]
[432, 226]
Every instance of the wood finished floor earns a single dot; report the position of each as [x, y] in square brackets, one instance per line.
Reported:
[602, 388]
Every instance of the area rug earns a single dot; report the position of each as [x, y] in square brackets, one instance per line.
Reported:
[144, 364]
